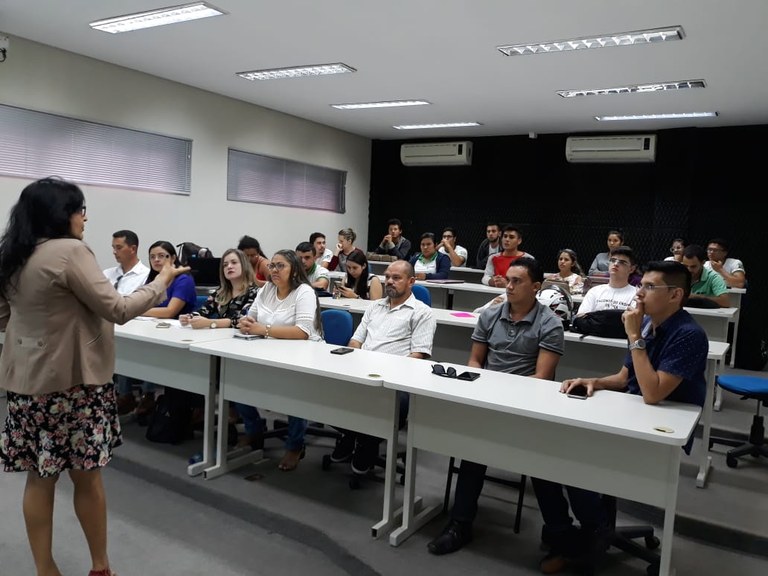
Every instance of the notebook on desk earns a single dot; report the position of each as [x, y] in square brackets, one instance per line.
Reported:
[591, 281]
[445, 281]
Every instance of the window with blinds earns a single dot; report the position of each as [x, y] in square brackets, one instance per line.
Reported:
[37, 144]
[266, 180]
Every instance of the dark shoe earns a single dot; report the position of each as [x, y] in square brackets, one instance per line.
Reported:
[454, 537]
[366, 454]
[125, 404]
[553, 564]
[146, 404]
[345, 447]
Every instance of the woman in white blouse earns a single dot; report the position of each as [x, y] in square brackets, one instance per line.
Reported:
[286, 308]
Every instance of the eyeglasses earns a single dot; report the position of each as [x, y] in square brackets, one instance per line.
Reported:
[118, 281]
[447, 235]
[159, 256]
[715, 250]
[652, 287]
[620, 262]
[83, 210]
[439, 370]
[279, 266]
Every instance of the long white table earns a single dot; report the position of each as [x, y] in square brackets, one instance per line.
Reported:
[304, 379]
[611, 443]
[585, 356]
[457, 272]
[161, 355]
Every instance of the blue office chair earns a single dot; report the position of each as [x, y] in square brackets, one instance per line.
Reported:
[337, 326]
[200, 301]
[749, 387]
[422, 294]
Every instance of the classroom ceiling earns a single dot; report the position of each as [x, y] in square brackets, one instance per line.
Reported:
[442, 51]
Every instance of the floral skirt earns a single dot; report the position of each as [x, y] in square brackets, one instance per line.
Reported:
[71, 430]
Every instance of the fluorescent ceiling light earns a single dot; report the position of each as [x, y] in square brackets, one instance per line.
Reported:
[446, 125]
[160, 17]
[297, 71]
[635, 88]
[620, 39]
[670, 116]
[389, 104]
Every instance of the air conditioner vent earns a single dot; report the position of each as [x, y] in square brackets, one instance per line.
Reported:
[630, 148]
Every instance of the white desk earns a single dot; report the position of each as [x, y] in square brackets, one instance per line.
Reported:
[457, 272]
[161, 355]
[609, 443]
[735, 295]
[303, 379]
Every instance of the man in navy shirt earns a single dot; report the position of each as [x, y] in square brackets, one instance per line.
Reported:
[666, 360]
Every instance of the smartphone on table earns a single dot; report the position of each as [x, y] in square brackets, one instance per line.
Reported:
[579, 392]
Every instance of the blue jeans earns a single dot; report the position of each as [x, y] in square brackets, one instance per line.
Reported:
[125, 385]
[254, 424]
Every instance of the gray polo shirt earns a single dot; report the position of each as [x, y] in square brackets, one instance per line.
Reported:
[513, 347]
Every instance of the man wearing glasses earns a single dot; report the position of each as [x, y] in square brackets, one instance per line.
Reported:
[129, 273]
[457, 254]
[618, 294]
[731, 269]
[667, 357]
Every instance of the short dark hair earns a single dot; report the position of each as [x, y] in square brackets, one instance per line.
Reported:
[617, 232]
[130, 237]
[451, 230]
[394, 222]
[248, 242]
[722, 242]
[674, 274]
[695, 251]
[534, 268]
[512, 228]
[315, 235]
[625, 251]
[306, 247]
[430, 235]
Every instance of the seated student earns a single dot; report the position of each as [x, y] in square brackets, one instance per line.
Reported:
[496, 269]
[344, 247]
[323, 253]
[225, 305]
[569, 270]
[359, 282]
[600, 264]
[286, 308]
[666, 360]
[677, 247]
[731, 269]
[429, 263]
[448, 246]
[618, 293]
[490, 246]
[181, 298]
[394, 243]
[317, 275]
[251, 247]
[706, 284]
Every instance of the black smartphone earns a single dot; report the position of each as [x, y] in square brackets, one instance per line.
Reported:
[342, 350]
[468, 376]
[579, 392]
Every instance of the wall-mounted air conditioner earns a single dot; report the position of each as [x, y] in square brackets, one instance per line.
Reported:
[437, 154]
[634, 148]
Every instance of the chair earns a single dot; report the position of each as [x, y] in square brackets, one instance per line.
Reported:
[519, 484]
[200, 301]
[749, 387]
[623, 538]
[422, 294]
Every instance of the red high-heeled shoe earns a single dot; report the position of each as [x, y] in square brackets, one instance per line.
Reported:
[105, 572]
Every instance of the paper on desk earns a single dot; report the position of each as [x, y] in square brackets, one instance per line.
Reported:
[463, 314]
[172, 321]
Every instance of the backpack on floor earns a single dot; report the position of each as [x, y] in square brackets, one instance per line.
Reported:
[170, 421]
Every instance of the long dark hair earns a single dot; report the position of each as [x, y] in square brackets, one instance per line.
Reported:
[43, 211]
[360, 286]
[168, 247]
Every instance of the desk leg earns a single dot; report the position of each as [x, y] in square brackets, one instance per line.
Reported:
[665, 564]
[706, 420]
[735, 337]
[390, 471]
[209, 422]
[718, 399]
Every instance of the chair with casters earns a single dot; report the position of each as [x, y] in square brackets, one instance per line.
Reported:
[624, 538]
[422, 294]
[750, 388]
[453, 468]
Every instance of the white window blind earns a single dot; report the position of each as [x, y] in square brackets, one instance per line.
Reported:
[266, 180]
[37, 144]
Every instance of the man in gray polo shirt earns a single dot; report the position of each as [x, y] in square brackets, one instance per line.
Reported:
[520, 336]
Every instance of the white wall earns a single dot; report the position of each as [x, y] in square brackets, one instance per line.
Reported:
[42, 78]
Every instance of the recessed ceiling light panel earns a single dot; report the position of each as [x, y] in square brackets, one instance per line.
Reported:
[669, 116]
[651, 36]
[387, 104]
[160, 17]
[635, 88]
[297, 71]
[431, 126]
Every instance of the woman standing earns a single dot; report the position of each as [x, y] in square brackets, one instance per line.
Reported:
[286, 308]
[58, 309]
[359, 283]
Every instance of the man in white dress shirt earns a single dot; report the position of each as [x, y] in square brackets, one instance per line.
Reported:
[130, 272]
[396, 324]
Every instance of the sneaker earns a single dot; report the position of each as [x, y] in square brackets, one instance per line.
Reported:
[345, 448]
[146, 405]
[366, 453]
[126, 404]
[455, 536]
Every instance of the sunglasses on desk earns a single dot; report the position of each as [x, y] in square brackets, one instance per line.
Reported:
[450, 372]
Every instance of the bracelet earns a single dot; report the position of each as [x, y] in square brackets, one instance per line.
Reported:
[266, 334]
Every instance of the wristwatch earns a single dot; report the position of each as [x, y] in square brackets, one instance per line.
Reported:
[213, 325]
[266, 334]
[637, 345]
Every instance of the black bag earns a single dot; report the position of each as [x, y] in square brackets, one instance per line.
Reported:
[189, 251]
[605, 323]
[170, 421]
